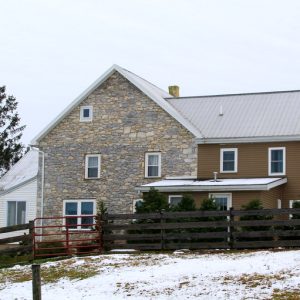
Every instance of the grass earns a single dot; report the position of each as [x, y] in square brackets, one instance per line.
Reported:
[286, 295]
[51, 274]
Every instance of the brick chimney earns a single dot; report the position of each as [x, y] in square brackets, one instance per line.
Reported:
[174, 90]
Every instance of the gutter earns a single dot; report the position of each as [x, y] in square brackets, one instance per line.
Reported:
[212, 188]
[240, 140]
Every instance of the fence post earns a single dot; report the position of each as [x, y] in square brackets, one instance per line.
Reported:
[32, 239]
[36, 282]
[67, 239]
[162, 231]
[99, 222]
[231, 228]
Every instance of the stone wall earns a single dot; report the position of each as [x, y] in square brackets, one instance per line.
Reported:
[126, 124]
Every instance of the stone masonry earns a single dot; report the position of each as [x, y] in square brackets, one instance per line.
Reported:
[126, 124]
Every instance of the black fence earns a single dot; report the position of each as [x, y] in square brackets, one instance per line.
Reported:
[231, 229]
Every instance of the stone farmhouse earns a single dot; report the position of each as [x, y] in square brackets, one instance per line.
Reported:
[123, 135]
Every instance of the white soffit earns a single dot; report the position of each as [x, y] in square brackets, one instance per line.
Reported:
[153, 92]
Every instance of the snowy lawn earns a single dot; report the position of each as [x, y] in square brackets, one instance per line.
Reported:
[191, 275]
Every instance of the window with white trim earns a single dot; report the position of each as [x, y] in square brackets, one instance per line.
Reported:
[228, 160]
[16, 212]
[92, 166]
[80, 214]
[174, 200]
[153, 164]
[136, 203]
[277, 161]
[86, 113]
[223, 201]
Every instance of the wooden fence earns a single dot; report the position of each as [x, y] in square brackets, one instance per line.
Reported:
[25, 240]
[231, 229]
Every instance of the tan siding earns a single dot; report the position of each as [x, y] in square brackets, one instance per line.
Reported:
[253, 162]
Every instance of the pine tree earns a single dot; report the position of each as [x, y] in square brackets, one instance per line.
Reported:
[11, 149]
[153, 201]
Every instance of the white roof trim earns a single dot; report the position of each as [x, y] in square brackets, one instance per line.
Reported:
[15, 187]
[157, 99]
[212, 188]
[258, 139]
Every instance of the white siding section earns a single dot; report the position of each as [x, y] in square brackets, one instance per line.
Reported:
[28, 193]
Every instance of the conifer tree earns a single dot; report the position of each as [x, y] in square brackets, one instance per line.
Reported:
[11, 148]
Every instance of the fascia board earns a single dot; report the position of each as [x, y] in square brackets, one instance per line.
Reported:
[17, 186]
[163, 104]
[73, 104]
[254, 187]
[241, 140]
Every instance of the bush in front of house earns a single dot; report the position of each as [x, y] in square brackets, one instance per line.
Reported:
[255, 204]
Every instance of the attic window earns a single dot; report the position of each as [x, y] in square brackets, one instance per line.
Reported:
[86, 113]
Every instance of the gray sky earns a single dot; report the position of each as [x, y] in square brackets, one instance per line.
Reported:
[50, 51]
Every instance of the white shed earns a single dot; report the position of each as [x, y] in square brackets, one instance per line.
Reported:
[18, 192]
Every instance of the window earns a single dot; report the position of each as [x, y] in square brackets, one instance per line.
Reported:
[153, 164]
[16, 212]
[223, 201]
[83, 208]
[86, 113]
[277, 161]
[92, 166]
[136, 203]
[228, 161]
[174, 200]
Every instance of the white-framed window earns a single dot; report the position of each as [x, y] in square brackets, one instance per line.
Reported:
[174, 199]
[222, 200]
[16, 213]
[82, 210]
[92, 166]
[86, 113]
[228, 160]
[277, 161]
[136, 203]
[153, 164]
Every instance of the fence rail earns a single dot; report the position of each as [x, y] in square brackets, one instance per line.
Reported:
[25, 240]
[234, 229]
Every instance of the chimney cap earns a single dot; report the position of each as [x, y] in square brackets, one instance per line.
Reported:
[174, 90]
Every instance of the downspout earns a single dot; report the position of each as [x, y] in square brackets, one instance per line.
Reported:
[42, 183]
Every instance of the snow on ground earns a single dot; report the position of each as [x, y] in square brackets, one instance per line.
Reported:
[179, 275]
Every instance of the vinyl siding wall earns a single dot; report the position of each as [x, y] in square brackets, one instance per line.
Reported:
[28, 193]
[253, 162]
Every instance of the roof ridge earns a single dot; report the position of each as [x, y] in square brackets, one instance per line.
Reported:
[237, 94]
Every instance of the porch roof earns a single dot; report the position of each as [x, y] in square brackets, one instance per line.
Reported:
[240, 184]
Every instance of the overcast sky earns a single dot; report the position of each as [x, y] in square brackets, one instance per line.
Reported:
[51, 50]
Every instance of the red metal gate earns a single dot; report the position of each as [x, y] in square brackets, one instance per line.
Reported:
[70, 235]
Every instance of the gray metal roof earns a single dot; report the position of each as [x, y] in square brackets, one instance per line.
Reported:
[243, 115]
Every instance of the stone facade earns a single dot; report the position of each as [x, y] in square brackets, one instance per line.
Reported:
[126, 124]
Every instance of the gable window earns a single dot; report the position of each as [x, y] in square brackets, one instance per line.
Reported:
[86, 113]
[92, 166]
[277, 161]
[228, 160]
[174, 200]
[153, 164]
[80, 212]
[16, 212]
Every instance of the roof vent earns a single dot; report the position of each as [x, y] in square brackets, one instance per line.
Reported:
[221, 111]
[174, 90]
[215, 177]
